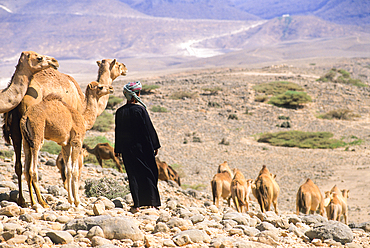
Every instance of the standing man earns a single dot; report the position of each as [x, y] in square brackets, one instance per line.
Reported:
[137, 141]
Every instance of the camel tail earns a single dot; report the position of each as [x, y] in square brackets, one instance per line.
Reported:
[236, 201]
[301, 203]
[6, 127]
[27, 134]
[214, 186]
[263, 198]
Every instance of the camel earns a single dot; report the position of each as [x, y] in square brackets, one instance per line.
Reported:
[104, 151]
[220, 184]
[309, 198]
[338, 205]
[327, 198]
[240, 190]
[42, 84]
[266, 190]
[29, 65]
[166, 172]
[62, 167]
[53, 119]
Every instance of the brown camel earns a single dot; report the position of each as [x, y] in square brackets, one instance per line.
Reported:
[29, 65]
[220, 184]
[166, 172]
[104, 151]
[61, 165]
[266, 190]
[240, 190]
[42, 84]
[309, 198]
[338, 205]
[53, 119]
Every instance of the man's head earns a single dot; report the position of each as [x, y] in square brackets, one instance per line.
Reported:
[132, 90]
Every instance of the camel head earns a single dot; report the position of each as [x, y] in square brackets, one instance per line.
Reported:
[37, 62]
[98, 90]
[115, 68]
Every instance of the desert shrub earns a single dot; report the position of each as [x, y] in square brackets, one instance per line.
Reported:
[148, 88]
[290, 99]
[261, 98]
[51, 147]
[213, 91]
[282, 117]
[183, 95]
[199, 186]
[113, 101]
[339, 114]
[196, 139]
[104, 122]
[159, 109]
[214, 104]
[107, 187]
[312, 140]
[276, 87]
[6, 153]
[341, 76]
[224, 142]
[232, 117]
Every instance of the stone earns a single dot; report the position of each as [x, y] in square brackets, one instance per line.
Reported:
[161, 227]
[99, 241]
[195, 236]
[95, 231]
[120, 228]
[331, 230]
[10, 211]
[60, 237]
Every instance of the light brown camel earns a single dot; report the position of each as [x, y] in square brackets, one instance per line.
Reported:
[240, 189]
[266, 190]
[166, 172]
[220, 184]
[62, 166]
[42, 84]
[53, 119]
[104, 151]
[309, 198]
[338, 205]
[29, 65]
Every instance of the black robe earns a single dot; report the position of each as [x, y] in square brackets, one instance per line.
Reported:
[136, 139]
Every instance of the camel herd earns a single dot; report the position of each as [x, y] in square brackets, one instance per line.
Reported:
[42, 103]
[231, 184]
[34, 85]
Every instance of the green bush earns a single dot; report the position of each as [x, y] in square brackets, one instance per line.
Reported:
[261, 98]
[312, 140]
[148, 88]
[339, 114]
[276, 87]
[214, 104]
[159, 109]
[290, 99]
[113, 101]
[232, 117]
[341, 76]
[107, 187]
[104, 122]
[183, 95]
[213, 91]
[51, 147]
[6, 153]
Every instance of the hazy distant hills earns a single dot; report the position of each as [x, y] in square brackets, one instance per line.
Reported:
[338, 11]
[190, 33]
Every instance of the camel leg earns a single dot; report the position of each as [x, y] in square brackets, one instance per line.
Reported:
[75, 173]
[17, 145]
[27, 165]
[275, 206]
[118, 165]
[66, 152]
[34, 175]
[99, 160]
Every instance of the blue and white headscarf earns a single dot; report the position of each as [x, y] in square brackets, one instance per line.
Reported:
[130, 89]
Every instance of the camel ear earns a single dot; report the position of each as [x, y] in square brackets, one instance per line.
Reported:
[98, 63]
[112, 64]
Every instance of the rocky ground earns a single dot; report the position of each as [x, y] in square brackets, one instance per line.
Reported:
[196, 136]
